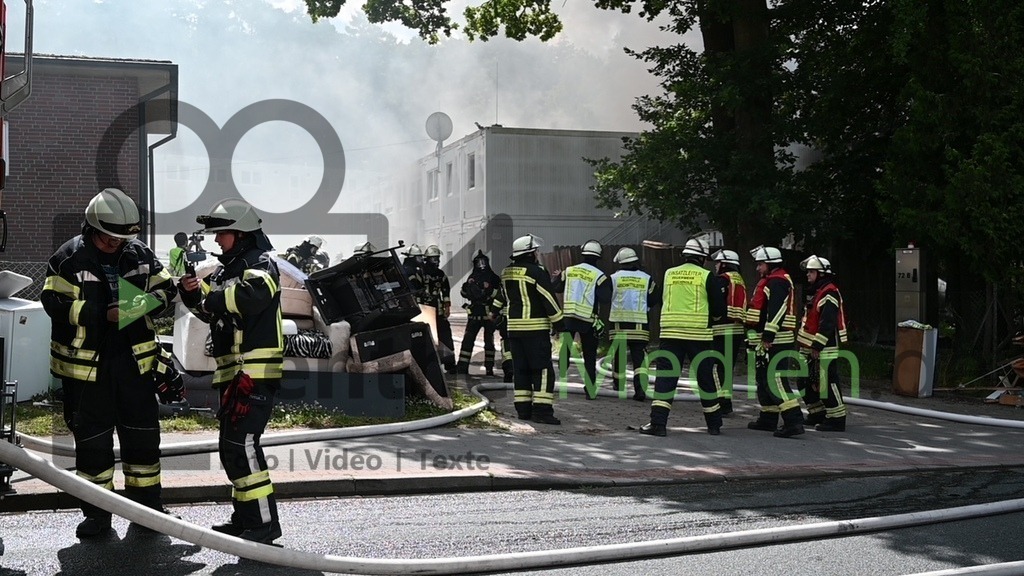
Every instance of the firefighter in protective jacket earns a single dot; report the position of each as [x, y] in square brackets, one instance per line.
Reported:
[102, 290]
[241, 300]
[728, 331]
[821, 332]
[482, 291]
[634, 295]
[771, 318]
[586, 290]
[531, 313]
[692, 302]
[437, 292]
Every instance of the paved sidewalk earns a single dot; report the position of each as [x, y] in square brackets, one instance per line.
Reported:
[592, 447]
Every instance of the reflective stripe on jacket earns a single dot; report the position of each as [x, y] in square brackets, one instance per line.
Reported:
[772, 310]
[580, 289]
[686, 313]
[76, 294]
[242, 303]
[824, 323]
[530, 301]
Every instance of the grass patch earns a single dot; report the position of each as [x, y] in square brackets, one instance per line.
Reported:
[48, 419]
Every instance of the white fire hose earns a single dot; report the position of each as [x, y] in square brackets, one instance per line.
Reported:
[182, 530]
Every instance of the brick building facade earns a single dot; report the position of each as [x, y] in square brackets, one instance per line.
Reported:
[88, 125]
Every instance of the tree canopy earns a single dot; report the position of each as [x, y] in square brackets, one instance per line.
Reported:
[864, 122]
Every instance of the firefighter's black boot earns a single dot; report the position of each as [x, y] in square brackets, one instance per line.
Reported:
[232, 527]
[462, 368]
[489, 368]
[94, 526]
[506, 371]
[792, 423]
[832, 425]
[766, 421]
[714, 423]
[265, 534]
[524, 410]
[545, 414]
[725, 406]
[652, 429]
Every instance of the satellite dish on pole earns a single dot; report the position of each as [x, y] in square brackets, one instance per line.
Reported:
[439, 127]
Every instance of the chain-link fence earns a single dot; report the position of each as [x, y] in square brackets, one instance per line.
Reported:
[34, 270]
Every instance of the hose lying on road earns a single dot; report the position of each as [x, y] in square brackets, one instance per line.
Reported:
[1003, 569]
[182, 530]
[302, 436]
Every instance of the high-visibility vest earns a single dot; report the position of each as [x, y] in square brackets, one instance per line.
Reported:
[685, 313]
[629, 296]
[580, 288]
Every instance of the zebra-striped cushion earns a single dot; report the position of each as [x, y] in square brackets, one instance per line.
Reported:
[305, 344]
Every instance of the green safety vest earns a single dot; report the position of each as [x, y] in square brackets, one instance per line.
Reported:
[685, 313]
[629, 296]
[580, 287]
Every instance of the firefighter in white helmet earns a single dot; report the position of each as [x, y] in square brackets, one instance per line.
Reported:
[771, 322]
[308, 256]
[100, 287]
[532, 312]
[692, 302]
[437, 292]
[587, 291]
[241, 301]
[728, 331]
[634, 295]
[822, 330]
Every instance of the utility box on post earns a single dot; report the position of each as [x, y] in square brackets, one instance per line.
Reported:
[912, 278]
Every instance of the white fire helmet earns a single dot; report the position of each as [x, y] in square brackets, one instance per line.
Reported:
[696, 247]
[315, 241]
[726, 257]
[626, 255]
[525, 245]
[813, 262]
[768, 254]
[591, 248]
[113, 213]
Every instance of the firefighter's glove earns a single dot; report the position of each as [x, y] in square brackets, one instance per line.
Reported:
[235, 398]
[171, 391]
[135, 309]
[599, 328]
[761, 357]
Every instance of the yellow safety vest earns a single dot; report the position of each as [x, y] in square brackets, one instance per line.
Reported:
[686, 312]
[629, 296]
[580, 287]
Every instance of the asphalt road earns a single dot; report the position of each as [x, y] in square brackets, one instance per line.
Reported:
[466, 524]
